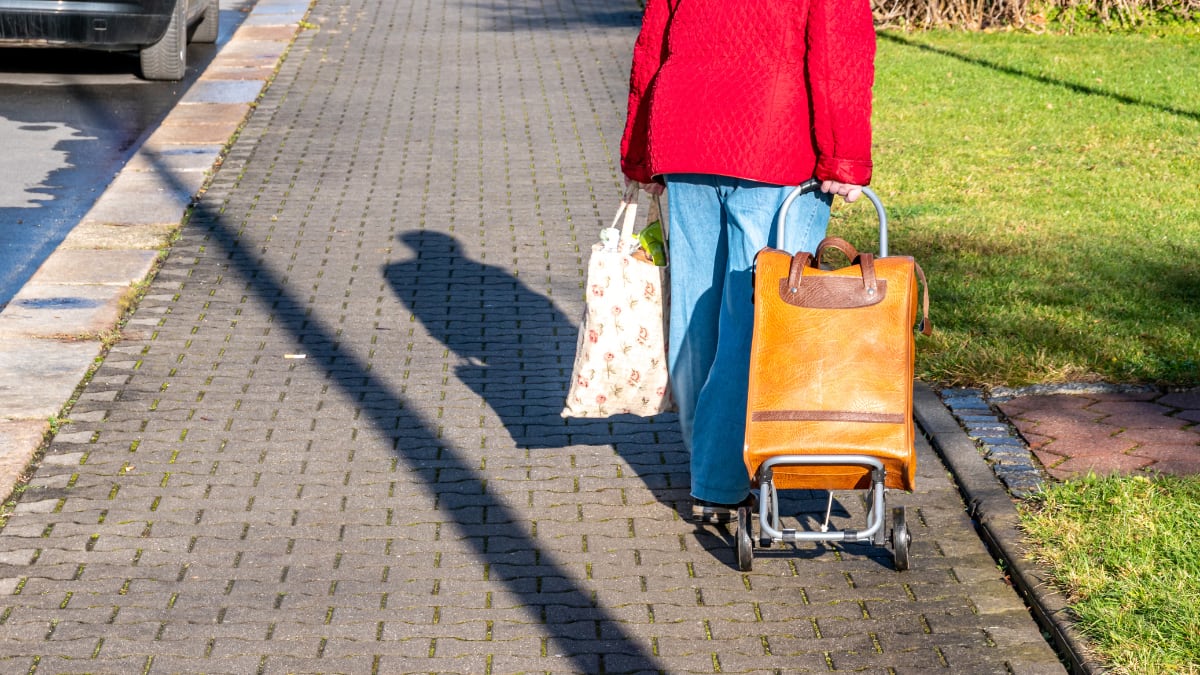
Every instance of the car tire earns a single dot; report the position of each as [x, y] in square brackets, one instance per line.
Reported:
[167, 58]
[210, 24]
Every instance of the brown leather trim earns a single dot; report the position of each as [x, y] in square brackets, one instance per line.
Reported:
[840, 244]
[832, 292]
[926, 327]
[825, 416]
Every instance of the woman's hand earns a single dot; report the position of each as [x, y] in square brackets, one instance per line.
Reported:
[848, 191]
[652, 188]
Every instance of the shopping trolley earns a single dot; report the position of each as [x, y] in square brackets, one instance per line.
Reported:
[830, 392]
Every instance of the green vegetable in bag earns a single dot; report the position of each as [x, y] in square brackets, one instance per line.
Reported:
[651, 241]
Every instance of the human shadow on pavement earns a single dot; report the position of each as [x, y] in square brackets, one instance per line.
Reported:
[515, 347]
[516, 350]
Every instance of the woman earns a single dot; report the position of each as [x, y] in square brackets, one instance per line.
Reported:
[731, 104]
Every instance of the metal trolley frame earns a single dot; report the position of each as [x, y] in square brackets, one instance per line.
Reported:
[771, 530]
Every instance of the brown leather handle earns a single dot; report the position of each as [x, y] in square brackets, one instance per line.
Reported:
[865, 261]
[840, 244]
[796, 271]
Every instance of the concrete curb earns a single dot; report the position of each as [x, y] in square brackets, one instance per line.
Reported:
[53, 330]
[991, 507]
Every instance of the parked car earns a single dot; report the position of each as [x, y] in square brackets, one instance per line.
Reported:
[159, 30]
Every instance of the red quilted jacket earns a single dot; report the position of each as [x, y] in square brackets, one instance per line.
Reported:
[770, 90]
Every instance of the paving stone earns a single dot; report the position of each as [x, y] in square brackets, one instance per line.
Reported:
[1089, 441]
[1040, 408]
[1161, 435]
[1181, 400]
[1100, 464]
[971, 415]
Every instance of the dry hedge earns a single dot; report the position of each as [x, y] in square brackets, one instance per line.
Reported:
[978, 14]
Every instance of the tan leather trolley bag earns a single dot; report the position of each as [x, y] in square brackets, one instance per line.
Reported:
[831, 382]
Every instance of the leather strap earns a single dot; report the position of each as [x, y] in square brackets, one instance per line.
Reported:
[865, 261]
[825, 292]
[926, 326]
[840, 244]
[792, 291]
[796, 272]
[825, 416]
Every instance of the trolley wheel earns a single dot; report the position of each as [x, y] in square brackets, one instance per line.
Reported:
[745, 546]
[900, 539]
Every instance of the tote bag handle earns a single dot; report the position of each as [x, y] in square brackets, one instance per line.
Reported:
[627, 210]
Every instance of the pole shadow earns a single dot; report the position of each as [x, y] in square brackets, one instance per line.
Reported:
[1041, 79]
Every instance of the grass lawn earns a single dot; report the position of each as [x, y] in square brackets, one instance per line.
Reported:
[1050, 187]
[1124, 552]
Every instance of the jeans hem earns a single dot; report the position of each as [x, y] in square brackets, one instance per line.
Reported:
[720, 496]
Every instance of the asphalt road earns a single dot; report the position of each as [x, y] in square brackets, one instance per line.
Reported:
[69, 121]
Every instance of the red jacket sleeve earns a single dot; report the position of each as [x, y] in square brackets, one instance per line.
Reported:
[647, 58]
[841, 71]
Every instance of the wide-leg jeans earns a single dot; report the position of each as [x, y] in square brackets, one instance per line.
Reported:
[717, 226]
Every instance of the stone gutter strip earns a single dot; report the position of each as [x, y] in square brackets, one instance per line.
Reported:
[53, 330]
[1004, 393]
[1008, 455]
[991, 506]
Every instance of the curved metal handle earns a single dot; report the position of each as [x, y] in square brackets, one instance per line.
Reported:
[811, 185]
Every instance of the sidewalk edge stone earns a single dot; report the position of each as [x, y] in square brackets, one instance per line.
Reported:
[19, 442]
[131, 221]
[992, 508]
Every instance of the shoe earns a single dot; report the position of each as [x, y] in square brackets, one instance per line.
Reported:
[711, 512]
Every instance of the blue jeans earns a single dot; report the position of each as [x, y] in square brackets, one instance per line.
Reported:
[717, 226]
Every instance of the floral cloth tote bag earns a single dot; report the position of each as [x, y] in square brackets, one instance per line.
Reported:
[621, 356]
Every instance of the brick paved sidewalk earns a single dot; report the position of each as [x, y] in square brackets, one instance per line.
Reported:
[330, 442]
[1106, 432]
